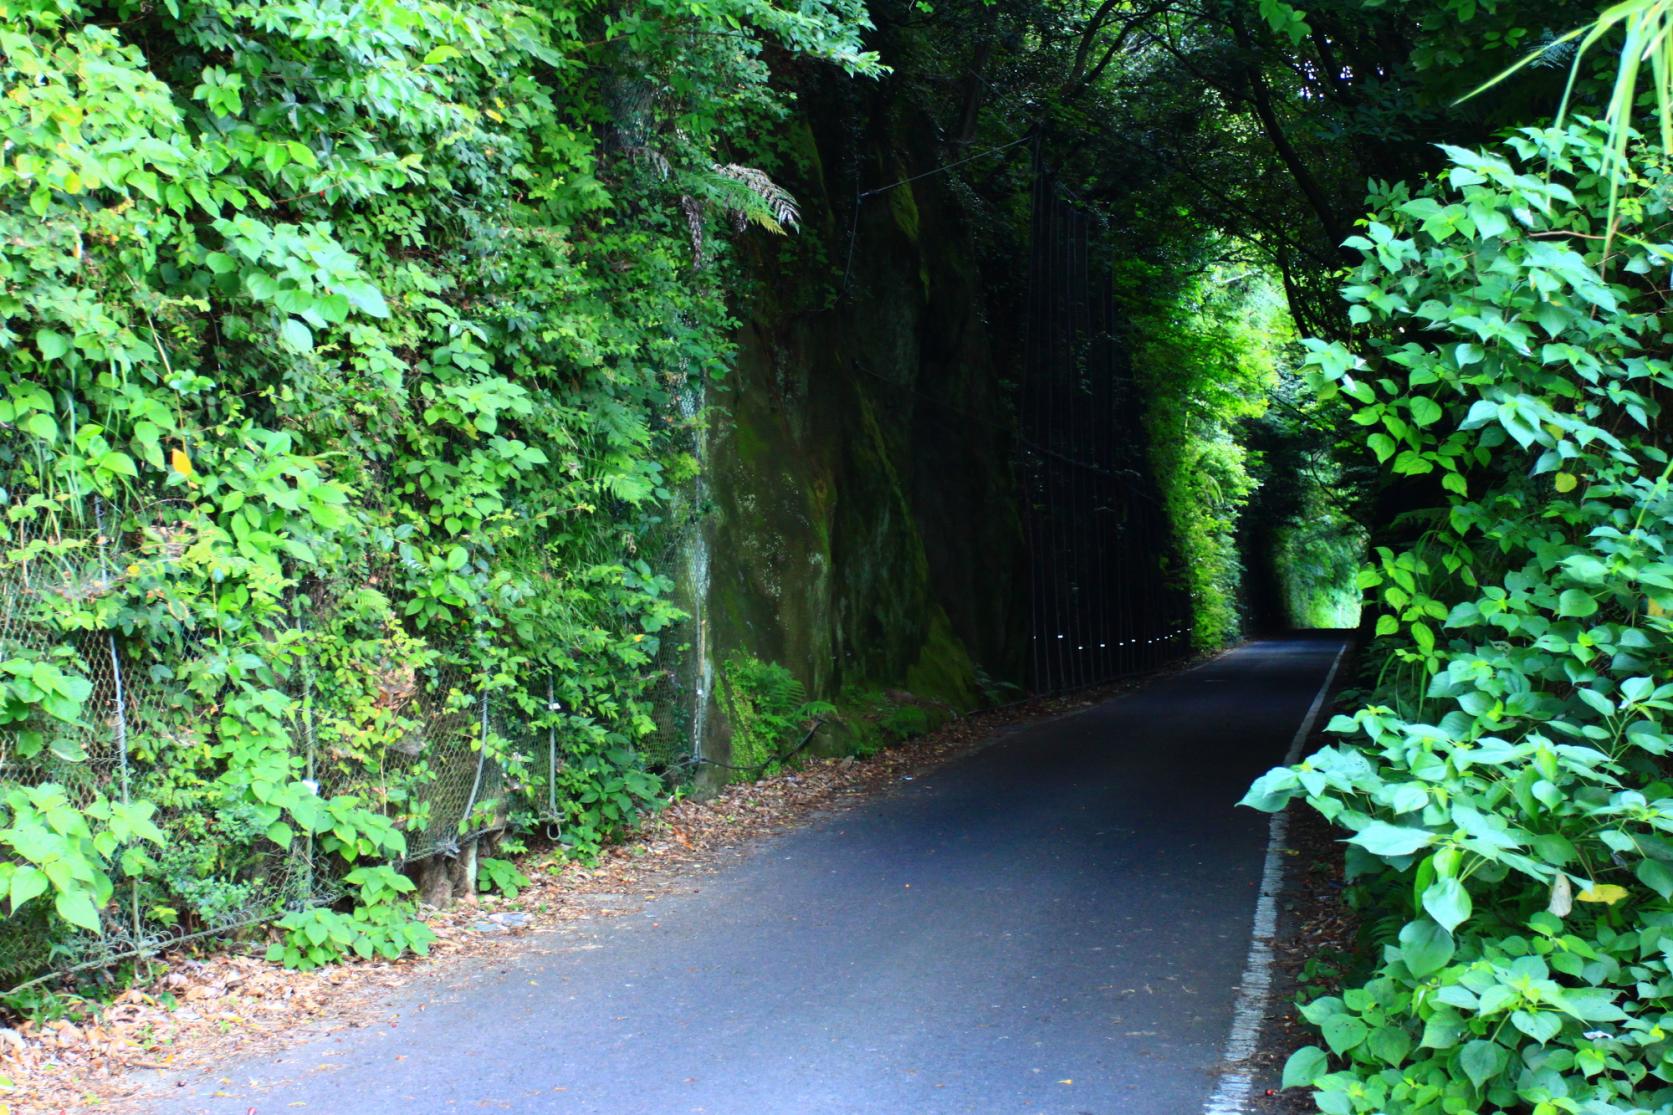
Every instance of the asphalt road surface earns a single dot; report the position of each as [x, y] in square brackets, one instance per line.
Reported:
[1056, 923]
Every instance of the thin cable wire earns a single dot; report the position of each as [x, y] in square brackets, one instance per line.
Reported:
[945, 168]
[860, 197]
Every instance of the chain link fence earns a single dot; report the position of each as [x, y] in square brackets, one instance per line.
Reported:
[150, 721]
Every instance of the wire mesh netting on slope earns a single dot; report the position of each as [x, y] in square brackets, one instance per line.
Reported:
[149, 721]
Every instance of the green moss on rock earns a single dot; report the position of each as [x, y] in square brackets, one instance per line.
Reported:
[904, 208]
[944, 667]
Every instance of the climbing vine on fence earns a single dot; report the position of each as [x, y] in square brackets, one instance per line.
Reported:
[344, 347]
[1507, 787]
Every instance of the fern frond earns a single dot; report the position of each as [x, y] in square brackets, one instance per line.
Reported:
[776, 209]
[744, 193]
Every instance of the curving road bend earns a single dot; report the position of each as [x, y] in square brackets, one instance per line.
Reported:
[1056, 923]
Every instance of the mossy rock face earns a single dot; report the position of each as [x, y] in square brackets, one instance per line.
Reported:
[944, 667]
[863, 519]
[877, 718]
[833, 739]
[904, 207]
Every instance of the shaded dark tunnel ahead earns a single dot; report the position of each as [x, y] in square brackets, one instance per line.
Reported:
[933, 470]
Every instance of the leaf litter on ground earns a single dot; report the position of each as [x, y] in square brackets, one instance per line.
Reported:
[199, 1010]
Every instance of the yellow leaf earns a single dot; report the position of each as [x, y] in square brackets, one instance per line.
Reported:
[181, 463]
[1566, 482]
[1607, 893]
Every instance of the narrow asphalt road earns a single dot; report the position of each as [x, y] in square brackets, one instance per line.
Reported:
[1056, 923]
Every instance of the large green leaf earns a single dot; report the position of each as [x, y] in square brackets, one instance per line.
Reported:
[77, 908]
[1383, 839]
[1304, 1067]
[27, 882]
[296, 336]
[1576, 603]
[1482, 1060]
[1426, 947]
[1390, 1044]
[1447, 902]
[1342, 1032]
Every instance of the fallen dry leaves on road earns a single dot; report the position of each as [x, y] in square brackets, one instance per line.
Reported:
[1316, 924]
[1318, 935]
[208, 1009]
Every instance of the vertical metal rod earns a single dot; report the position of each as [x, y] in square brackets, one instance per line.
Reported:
[309, 755]
[551, 750]
[1100, 438]
[1074, 601]
[119, 699]
[119, 709]
[481, 761]
[1062, 558]
[122, 757]
[1112, 444]
[1028, 413]
[1085, 476]
[853, 237]
[1048, 442]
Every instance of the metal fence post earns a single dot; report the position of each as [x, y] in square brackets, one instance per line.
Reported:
[481, 761]
[551, 751]
[120, 711]
[308, 743]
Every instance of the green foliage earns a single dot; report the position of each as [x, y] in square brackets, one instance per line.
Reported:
[501, 875]
[602, 793]
[877, 718]
[67, 854]
[1509, 781]
[1646, 28]
[1206, 355]
[380, 923]
[1318, 559]
[344, 353]
[768, 711]
[906, 721]
[1300, 530]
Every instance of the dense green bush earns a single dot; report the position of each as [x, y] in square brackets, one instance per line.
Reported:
[1509, 788]
[768, 711]
[349, 354]
[1206, 348]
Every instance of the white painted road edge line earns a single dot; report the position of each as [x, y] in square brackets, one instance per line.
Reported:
[1231, 1092]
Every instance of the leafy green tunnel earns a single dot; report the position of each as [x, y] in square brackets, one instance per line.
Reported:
[430, 426]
